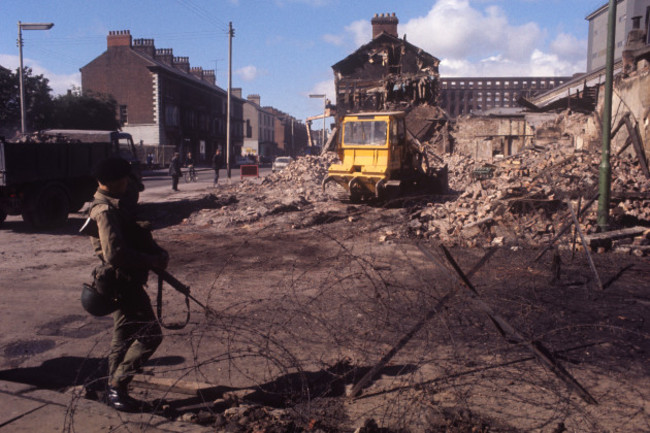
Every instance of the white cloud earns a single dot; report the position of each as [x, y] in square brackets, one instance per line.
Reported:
[484, 42]
[60, 83]
[323, 88]
[248, 73]
[361, 32]
[337, 40]
[568, 46]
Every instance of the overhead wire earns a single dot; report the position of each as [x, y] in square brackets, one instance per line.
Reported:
[203, 13]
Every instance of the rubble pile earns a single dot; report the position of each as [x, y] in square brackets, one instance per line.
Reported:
[292, 189]
[43, 137]
[304, 175]
[523, 199]
[517, 201]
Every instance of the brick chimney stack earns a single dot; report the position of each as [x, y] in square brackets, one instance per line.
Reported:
[197, 71]
[145, 46]
[255, 98]
[165, 55]
[384, 24]
[236, 92]
[118, 38]
[182, 63]
[208, 75]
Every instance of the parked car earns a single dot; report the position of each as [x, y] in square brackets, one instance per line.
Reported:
[280, 163]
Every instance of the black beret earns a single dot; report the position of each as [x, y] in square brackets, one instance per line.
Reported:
[111, 169]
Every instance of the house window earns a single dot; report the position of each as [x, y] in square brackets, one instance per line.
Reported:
[124, 115]
[172, 115]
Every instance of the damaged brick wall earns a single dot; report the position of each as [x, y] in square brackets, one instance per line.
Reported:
[484, 138]
[632, 95]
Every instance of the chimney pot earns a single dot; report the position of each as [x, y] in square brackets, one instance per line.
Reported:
[118, 38]
[384, 23]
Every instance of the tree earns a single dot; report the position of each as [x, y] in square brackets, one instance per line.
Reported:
[71, 111]
[37, 101]
[84, 111]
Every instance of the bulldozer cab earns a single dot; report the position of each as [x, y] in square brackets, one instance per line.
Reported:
[373, 152]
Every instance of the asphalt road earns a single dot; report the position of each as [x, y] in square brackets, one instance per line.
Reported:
[160, 178]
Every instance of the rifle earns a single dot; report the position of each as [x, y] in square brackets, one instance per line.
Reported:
[185, 290]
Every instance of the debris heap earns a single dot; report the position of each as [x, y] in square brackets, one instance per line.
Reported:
[524, 199]
[518, 201]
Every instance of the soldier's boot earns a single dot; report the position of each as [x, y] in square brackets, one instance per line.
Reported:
[118, 397]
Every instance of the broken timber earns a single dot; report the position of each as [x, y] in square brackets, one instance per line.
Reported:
[536, 347]
[566, 227]
[598, 239]
[638, 147]
[576, 224]
[407, 337]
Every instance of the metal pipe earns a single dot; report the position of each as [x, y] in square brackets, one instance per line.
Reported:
[605, 167]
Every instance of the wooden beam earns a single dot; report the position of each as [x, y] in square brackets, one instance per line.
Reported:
[407, 337]
[638, 147]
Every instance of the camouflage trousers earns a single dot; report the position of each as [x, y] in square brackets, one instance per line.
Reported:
[136, 336]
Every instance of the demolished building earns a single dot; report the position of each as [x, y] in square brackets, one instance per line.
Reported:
[390, 74]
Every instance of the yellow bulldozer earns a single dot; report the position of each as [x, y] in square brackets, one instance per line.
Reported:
[380, 159]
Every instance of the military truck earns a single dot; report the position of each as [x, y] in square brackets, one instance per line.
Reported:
[46, 176]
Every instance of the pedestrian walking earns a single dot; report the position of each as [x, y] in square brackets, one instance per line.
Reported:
[127, 252]
[217, 162]
[175, 170]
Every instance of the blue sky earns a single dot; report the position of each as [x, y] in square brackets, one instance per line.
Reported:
[283, 49]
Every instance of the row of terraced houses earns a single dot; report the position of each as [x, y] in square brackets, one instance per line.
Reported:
[168, 106]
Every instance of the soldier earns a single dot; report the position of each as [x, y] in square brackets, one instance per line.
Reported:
[129, 252]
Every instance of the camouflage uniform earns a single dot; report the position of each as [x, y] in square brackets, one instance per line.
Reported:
[136, 333]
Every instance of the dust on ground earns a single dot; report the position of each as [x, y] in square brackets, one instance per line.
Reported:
[310, 293]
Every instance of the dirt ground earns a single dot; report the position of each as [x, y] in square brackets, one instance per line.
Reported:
[310, 294]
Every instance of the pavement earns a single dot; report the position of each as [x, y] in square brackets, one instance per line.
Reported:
[27, 408]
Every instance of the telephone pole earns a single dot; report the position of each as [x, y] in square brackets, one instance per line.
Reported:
[231, 34]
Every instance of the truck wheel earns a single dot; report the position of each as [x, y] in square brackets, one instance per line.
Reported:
[51, 210]
[3, 216]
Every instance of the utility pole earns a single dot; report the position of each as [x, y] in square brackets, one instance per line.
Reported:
[231, 34]
[604, 184]
[21, 27]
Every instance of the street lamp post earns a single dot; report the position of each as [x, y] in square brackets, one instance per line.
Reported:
[320, 95]
[21, 27]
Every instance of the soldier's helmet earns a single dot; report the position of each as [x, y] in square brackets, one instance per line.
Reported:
[96, 303]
